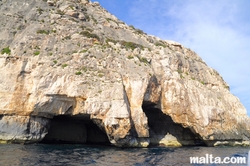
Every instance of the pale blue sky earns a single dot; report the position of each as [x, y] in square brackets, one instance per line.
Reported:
[219, 31]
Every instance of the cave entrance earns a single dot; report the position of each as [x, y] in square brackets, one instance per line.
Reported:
[163, 130]
[74, 130]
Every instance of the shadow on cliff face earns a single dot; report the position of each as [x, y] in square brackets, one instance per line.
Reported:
[74, 130]
[163, 130]
[82, 130]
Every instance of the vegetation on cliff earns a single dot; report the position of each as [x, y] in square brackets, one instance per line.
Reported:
[72, 60]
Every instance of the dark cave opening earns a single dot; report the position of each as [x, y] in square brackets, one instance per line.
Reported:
[65, 129]
[162, 125]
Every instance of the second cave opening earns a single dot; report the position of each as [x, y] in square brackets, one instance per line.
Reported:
[163, 130]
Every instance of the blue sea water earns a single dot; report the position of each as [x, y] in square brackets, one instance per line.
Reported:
[77, 155]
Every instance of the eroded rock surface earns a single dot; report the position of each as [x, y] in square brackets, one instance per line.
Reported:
[73, 58]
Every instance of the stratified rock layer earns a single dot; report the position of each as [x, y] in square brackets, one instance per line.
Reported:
[74, 59]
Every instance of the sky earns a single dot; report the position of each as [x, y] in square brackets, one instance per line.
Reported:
[218, 31]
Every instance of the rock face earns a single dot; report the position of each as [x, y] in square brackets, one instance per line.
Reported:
[107, 81]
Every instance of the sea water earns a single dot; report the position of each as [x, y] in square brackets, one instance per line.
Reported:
[77, 155]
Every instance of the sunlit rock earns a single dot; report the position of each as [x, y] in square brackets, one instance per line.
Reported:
[74, 59]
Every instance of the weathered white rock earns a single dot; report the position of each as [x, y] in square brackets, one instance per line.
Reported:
[85, 1]
[82, 17]
[137, 89]
[72, 13]
[22, 129]
[50, 3]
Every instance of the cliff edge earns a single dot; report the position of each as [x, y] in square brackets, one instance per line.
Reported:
[72, 72]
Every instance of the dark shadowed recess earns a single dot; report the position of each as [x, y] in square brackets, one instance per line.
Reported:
[74, 130]
[161, 124]
[82, 130]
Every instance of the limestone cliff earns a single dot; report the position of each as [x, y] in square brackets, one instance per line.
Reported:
[71, 71]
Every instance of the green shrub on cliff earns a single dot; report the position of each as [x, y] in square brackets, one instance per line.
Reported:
[160, 44]
[36, 53]
[78, 73]
[130, 45]
[64, 65]
[41, 31]
[89, 35]
[6, 50]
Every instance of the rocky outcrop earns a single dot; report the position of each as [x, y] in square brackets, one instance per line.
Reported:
[22, 129]
[74, 60]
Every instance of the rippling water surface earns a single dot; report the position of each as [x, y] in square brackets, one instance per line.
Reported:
[66, 154]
